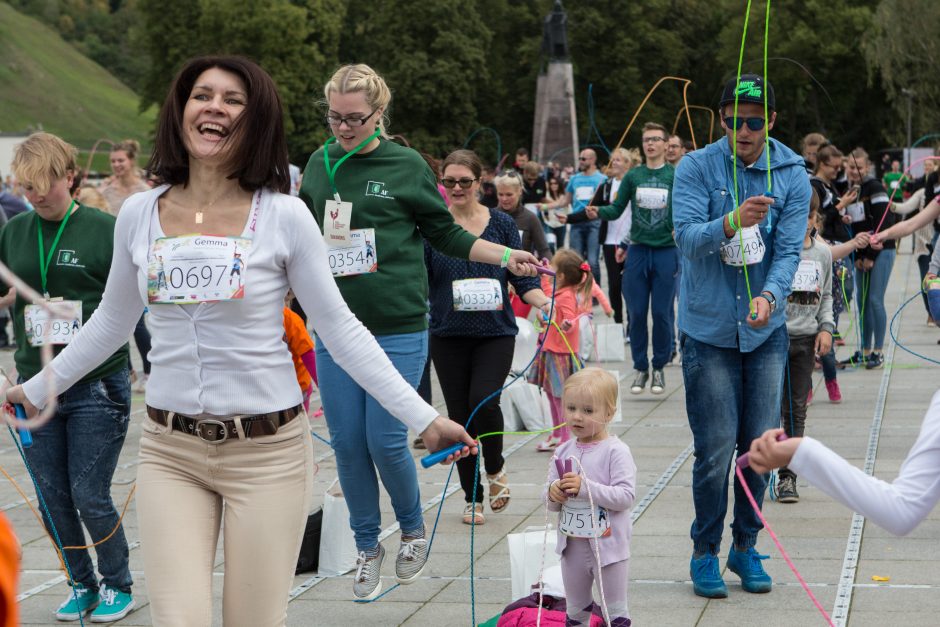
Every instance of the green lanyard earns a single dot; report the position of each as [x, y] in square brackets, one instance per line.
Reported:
[45, 261]
[326, 158]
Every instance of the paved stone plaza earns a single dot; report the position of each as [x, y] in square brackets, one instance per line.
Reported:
[878, 419]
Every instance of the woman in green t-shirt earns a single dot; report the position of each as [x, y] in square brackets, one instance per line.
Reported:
[376, 202]
[74, 455]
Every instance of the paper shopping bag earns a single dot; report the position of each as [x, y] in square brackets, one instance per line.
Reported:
[530, 552]
[337, 544]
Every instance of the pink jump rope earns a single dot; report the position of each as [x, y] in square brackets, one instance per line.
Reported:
[742, 463]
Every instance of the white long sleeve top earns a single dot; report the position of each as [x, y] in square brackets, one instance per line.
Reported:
[898, 506]
[228, 357]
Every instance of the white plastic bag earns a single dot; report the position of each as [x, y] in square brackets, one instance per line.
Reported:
[618, 414]
[529, 405]
[337, 544]
[526, 343]
[609, 342]
[525, 557]
[586, 348]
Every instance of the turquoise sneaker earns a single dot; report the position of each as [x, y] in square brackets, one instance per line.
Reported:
[80, 600]
[706, 580]
[114, 605]
[748, 567]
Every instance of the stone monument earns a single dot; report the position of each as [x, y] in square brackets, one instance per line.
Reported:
[555, 128]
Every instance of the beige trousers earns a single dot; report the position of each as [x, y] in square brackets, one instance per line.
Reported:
[260, 488]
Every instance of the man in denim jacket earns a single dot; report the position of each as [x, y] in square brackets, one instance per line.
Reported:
[740, 221]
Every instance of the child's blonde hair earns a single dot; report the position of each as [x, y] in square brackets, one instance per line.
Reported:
[597, 384]
[570, 268]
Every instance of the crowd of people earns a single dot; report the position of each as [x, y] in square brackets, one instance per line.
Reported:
[743, 254]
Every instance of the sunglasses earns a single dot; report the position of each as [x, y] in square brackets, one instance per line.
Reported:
[464, 183]
[755, 124]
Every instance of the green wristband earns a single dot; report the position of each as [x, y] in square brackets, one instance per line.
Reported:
[505, 260]
[734, 227]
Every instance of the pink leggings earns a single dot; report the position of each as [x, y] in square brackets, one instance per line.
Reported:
[579, 570]
[558, 417]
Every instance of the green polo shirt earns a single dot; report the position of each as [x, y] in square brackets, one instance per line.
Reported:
[78, 271]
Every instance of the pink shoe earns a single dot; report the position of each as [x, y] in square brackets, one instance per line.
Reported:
[835, 394]
[546, 446]
[318, 413]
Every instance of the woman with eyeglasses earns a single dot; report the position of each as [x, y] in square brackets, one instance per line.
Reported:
[473, 329]
[367, 191]
[509, 192]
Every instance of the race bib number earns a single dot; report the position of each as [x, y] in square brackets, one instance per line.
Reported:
[357, 257]
[478, 295]
[56, 328]
[584, 194]
[856, 211]
[197, 269]
[750, 251]
[652, 197]
[806, 278]
[894, 184]
[578, 521]
[336, 223]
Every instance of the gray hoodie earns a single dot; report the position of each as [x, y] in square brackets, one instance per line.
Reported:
[809, 312]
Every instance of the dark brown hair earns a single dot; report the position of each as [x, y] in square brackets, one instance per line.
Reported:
[824, 154]
[466, 158]
[259, 147]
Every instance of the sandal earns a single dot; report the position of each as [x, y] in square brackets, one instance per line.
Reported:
[473, 514]
[498, 481]
[549, 445]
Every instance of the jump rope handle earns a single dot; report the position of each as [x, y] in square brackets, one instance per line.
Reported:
[26, 438]
[436, 458]
[745, 460]
[544, 269]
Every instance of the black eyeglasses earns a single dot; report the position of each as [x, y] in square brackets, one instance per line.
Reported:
[354, 122]
[465, 183]
[755, 124]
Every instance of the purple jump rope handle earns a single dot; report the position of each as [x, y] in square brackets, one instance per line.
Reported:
[560, 467]
[744, 461]
[436, 458]
[544, 270]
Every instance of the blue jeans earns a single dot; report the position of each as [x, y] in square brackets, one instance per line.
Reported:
[73, 457]
[584, 238]
[875, 317]
[365, 437]
[731, 399]
[649, 278]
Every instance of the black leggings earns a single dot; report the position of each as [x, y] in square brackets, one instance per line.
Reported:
[469, 369]
[142, 339]
[614, 280]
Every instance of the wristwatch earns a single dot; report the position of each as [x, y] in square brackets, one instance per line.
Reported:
[770, 298]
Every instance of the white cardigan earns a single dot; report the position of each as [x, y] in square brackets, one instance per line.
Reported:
[228, 357]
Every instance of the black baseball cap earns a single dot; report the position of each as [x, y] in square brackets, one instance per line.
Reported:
[750, 88]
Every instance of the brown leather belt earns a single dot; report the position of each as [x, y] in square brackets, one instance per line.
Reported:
[216, 431]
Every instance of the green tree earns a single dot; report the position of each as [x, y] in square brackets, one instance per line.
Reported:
[903, 53]
[432, 55]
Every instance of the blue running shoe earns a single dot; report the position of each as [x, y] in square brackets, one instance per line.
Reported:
[748, 567]
[706, 580]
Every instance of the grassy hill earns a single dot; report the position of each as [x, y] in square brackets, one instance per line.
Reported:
[44, 80]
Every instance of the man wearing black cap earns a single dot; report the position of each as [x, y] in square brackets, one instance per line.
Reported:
[740, 207]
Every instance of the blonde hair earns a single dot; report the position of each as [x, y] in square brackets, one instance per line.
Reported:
[129, 146]
[362, 78]
[91, 197]
[597, 384]
[41, 160]
[509, 179]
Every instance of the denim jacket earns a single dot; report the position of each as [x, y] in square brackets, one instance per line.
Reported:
[713, 298]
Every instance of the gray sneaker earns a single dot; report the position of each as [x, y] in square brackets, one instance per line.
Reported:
[786, 490]
[639, 381]
[659, 382]
[411, 560]
[368, 583]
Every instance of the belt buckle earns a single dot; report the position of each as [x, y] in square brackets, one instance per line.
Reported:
[218, 423]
